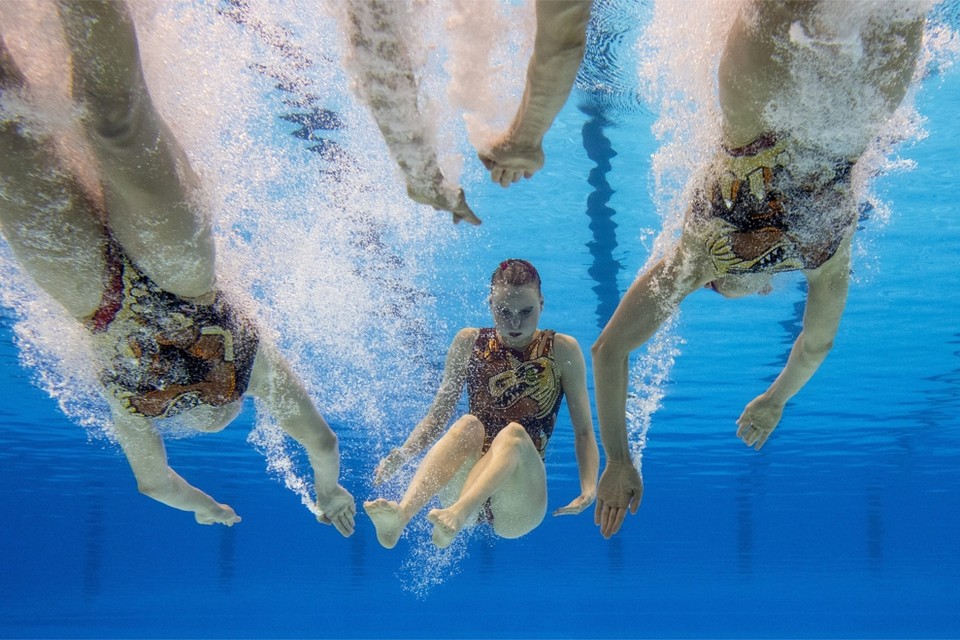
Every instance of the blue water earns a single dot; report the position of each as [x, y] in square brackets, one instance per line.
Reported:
[844, 525]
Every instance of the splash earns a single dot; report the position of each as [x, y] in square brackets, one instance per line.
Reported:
[649, 376]
[427, 566]
[320, 242]
[490, 44]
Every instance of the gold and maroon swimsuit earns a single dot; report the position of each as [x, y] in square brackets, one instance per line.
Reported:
[758, 212]
[506, 385]
[166, 354]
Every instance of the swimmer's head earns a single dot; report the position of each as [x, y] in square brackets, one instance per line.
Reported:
[516, 302]
[740, 285]
[515, 272]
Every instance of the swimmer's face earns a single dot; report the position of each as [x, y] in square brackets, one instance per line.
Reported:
[516, 313]
[742, 285]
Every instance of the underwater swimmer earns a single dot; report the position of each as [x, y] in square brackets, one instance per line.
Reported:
[776, 197]
[136, 266]
[488, 466]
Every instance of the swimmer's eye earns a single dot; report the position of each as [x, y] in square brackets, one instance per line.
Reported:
[506, 313]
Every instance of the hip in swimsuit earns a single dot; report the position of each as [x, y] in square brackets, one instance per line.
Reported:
[753, 215]
[167, 354]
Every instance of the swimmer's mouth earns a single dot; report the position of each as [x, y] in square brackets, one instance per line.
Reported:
[515, 334]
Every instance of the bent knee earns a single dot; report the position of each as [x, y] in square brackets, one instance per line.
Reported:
[153, 487]
[515, 437]
[515, 434]
[468, 430]
[113, 118]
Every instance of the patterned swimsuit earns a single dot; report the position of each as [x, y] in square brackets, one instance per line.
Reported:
[753, 215]
[165, 354]
[506, 385]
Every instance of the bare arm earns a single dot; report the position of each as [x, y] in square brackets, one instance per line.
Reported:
[287, 401]
[557, 52]
[441, 410]
[147, 457]
[573, 377]
[652, 298]
[826, 298]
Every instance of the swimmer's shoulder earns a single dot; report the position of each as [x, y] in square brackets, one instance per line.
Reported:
[566, 347]
[463, 342]
[467, 334]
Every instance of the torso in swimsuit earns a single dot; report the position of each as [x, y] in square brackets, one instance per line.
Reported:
[505, 385]
[754, 213]
[164, 354]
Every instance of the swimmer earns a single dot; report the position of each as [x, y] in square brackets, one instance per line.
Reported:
[557, 51]
[382, 66]
[488, 466]
[135, 264]
[776, 197]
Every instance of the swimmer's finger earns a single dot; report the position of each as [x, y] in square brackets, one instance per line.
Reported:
[462, 211]
[509, 177]
[496, 174]
[344, 524]
[763, 439]
[612, 521]
[634, 502]
[468, 216]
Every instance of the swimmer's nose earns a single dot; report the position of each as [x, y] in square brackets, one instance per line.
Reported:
[514, 323]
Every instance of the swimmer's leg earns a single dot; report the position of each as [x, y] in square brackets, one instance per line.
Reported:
[460, 446]
[512, 475]
[382, 66]
[149, 187]
[49, 223]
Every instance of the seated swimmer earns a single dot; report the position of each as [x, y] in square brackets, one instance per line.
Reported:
[777, 197]
[136, 266]
[488, 466]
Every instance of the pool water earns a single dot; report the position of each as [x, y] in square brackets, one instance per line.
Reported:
[845, 525]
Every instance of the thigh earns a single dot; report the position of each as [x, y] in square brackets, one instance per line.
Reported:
[149, 187]
[51, 225]
[520, 503]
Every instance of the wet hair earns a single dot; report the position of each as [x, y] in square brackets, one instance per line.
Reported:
[515, 272]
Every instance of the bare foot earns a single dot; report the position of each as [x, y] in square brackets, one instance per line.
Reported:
[509, 161]
[440, 200]
[446, 526]
[388, 519]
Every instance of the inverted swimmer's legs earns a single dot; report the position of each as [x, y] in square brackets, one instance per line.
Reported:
[46, 218]
[148, 182]
[511, 474]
